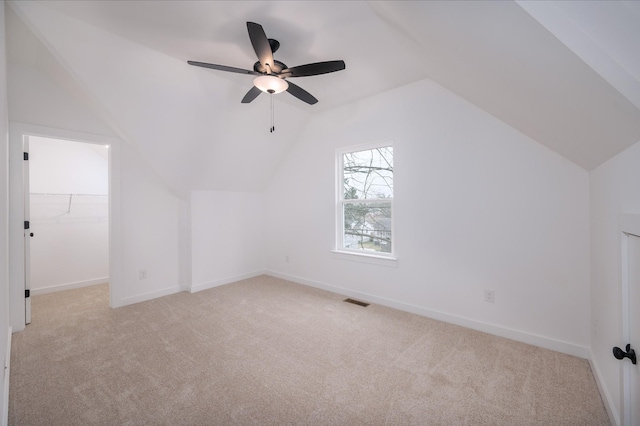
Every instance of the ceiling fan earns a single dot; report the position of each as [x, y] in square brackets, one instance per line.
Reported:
[271, 74]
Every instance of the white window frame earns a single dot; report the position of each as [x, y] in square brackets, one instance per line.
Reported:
[353, 254]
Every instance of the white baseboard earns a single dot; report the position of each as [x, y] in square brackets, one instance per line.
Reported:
[612, 410]
[520, 336]
[148, 296]
[68, 286]
[7, 372]
[204, 286]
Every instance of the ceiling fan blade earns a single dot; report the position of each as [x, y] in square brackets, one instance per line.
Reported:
[251, 95]
[223, 68]
[301, 94]
[314, 69]
[260, 44]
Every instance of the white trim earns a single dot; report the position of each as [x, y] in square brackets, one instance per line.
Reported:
[223, 281]
[63, 134]
[497, 330]
[614, 416]
[68, 286]
[192, 289]
[7, 373]
[628, 224]
[27, 239]
[365, 257]
[625, 389]
[364, 146]
[149, 296]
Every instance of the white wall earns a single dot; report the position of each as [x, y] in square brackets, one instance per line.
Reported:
[148, 216]
[477, 206]
[4, 215]
[62, 167]
[227, 237]
[41, 90]
[151, 228]
[69, 213]
[614, 190]
[35, 98]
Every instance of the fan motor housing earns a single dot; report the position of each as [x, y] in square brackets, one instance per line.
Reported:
[276, 68]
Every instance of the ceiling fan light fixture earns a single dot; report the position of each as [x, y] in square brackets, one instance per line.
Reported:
[270, 84]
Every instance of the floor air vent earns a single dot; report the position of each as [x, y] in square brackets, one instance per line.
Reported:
[356, 302]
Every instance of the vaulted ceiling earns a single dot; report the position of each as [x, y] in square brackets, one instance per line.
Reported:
[566, 74]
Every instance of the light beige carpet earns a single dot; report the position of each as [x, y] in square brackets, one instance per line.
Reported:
[270, 352]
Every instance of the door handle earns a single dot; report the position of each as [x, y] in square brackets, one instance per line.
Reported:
[620, 354]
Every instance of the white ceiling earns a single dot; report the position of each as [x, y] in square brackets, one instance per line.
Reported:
[567, 74]
[215, 32]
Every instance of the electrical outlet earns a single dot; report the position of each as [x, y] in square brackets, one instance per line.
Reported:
[489, 296]
[143, 274]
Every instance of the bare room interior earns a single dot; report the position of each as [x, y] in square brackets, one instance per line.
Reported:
[310, 212]
[69, 214]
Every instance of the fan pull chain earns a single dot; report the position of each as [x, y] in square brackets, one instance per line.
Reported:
[273, 127]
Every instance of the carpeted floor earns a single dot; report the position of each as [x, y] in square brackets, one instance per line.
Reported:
[270, 352]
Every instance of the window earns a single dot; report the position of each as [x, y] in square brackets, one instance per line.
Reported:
[365, 199]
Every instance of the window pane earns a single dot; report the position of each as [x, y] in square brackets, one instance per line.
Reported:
[367, 226]
[368, 174]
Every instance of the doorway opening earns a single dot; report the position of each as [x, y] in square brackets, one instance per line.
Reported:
[67, 206]
[19, 238]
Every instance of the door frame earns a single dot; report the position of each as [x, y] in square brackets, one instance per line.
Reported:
[17, 133]
[27, 230]
[629, 224]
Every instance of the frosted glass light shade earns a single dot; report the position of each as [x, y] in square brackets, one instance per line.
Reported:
[270, 84]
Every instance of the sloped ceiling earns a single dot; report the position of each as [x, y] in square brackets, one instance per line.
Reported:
[511, 59]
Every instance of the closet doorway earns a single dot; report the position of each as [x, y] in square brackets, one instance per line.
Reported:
[67, 201]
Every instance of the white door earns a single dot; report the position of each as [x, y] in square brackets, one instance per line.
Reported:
[633, 371]
[27, 234]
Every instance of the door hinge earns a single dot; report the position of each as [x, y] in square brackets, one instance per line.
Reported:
[26, 224]
[25, 156]
[27, 293]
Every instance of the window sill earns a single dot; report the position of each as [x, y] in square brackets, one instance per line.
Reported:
[372, 259]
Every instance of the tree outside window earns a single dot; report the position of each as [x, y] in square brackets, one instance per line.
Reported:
[366, 199]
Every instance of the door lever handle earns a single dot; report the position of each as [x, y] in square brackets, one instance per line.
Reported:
[620, 354]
